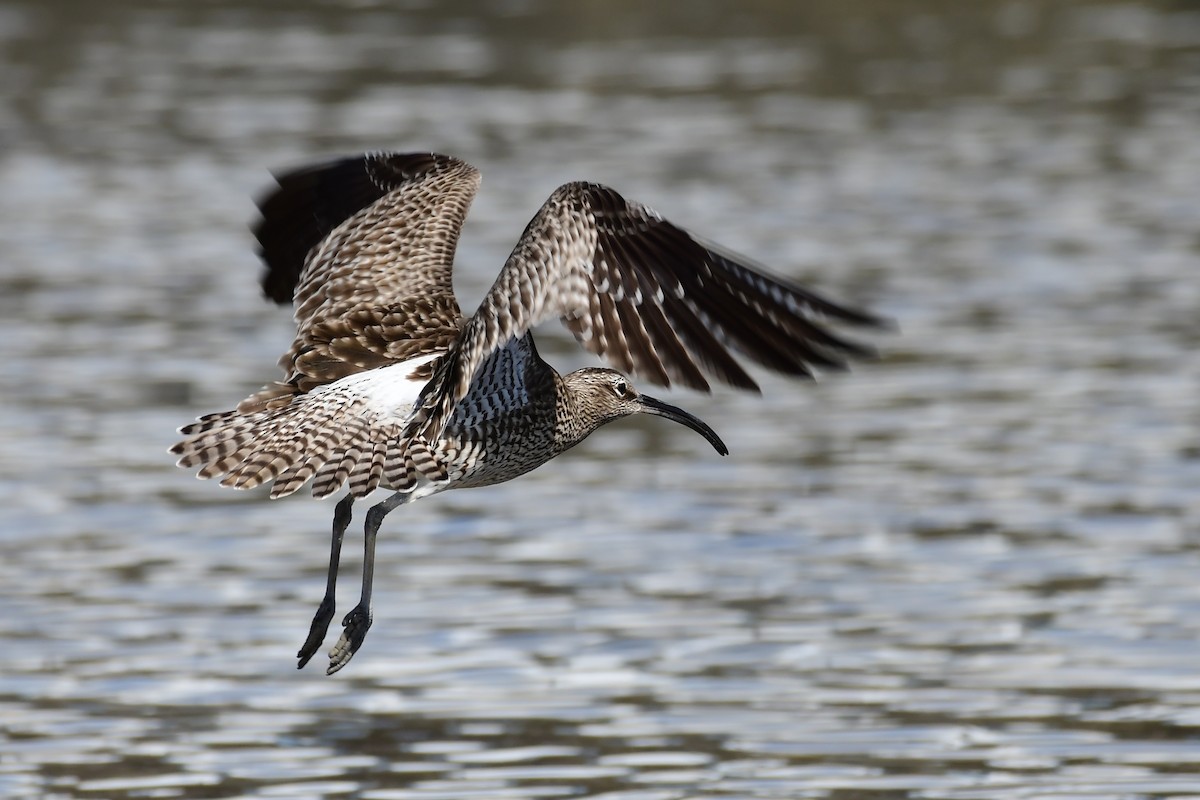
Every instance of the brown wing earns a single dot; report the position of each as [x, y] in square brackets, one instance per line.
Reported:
[363, 247]
[346, 433]
[647, 296]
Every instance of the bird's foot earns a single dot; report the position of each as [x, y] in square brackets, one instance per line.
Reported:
[355, 627]
[316, 632]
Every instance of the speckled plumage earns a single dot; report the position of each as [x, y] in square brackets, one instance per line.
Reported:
[388, 385]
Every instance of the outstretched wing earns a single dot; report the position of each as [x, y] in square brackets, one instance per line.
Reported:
[647, 296]
[363, 247]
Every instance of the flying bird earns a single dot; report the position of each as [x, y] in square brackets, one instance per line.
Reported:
[389, 385]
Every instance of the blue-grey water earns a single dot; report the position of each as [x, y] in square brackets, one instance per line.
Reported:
[970, 569]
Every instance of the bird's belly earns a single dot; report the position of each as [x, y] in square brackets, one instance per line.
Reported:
[501, 452]
[489, 474]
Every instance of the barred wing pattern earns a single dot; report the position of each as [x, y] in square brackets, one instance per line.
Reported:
[352, 432]
[347, 432]
[364, 248]
[647, 296]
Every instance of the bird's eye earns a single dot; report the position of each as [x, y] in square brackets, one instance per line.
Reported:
[621, 388]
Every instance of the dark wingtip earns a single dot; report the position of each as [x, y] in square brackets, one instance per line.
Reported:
[852, 316]
[880, 323]
[300, 210]
[305, 204]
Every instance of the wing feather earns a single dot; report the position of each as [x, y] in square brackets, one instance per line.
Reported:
[363, 248]
[648, 297]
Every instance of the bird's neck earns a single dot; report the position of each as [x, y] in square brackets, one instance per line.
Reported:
[574, 418]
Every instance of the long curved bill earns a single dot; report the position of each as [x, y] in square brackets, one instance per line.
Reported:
[661, 409]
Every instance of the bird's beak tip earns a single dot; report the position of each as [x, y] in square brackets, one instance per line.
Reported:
[657, 407]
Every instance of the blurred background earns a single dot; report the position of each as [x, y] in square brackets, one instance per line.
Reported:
[966, 570]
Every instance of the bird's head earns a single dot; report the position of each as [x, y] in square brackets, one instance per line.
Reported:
[603, 395]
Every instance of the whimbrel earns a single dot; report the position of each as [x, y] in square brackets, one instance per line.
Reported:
[388, 384]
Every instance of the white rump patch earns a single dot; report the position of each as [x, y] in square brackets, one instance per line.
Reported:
[388, 392]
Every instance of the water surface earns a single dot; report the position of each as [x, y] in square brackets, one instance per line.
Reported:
[967, 570]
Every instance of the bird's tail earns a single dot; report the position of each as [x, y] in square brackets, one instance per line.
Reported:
[331, 444]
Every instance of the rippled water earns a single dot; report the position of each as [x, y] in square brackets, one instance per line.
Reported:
[968, 570]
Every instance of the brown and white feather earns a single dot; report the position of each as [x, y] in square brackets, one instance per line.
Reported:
[647, 296]
[347, 432]
[364, 250]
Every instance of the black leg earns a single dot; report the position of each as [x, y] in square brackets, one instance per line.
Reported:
[320, 623]
[358, 621]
